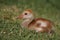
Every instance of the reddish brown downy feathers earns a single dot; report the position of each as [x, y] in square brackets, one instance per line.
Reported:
[37, 24]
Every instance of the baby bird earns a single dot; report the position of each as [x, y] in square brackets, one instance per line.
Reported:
[36, 24]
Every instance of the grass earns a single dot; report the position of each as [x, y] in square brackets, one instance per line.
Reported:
[10, 28]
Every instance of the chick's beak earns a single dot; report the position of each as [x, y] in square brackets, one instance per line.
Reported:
[19, 17]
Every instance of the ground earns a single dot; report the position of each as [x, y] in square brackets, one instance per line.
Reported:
[10, 28]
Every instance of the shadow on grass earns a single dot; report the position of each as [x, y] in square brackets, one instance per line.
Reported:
[8, 2]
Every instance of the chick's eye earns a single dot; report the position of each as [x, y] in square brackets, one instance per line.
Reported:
[25, 13]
